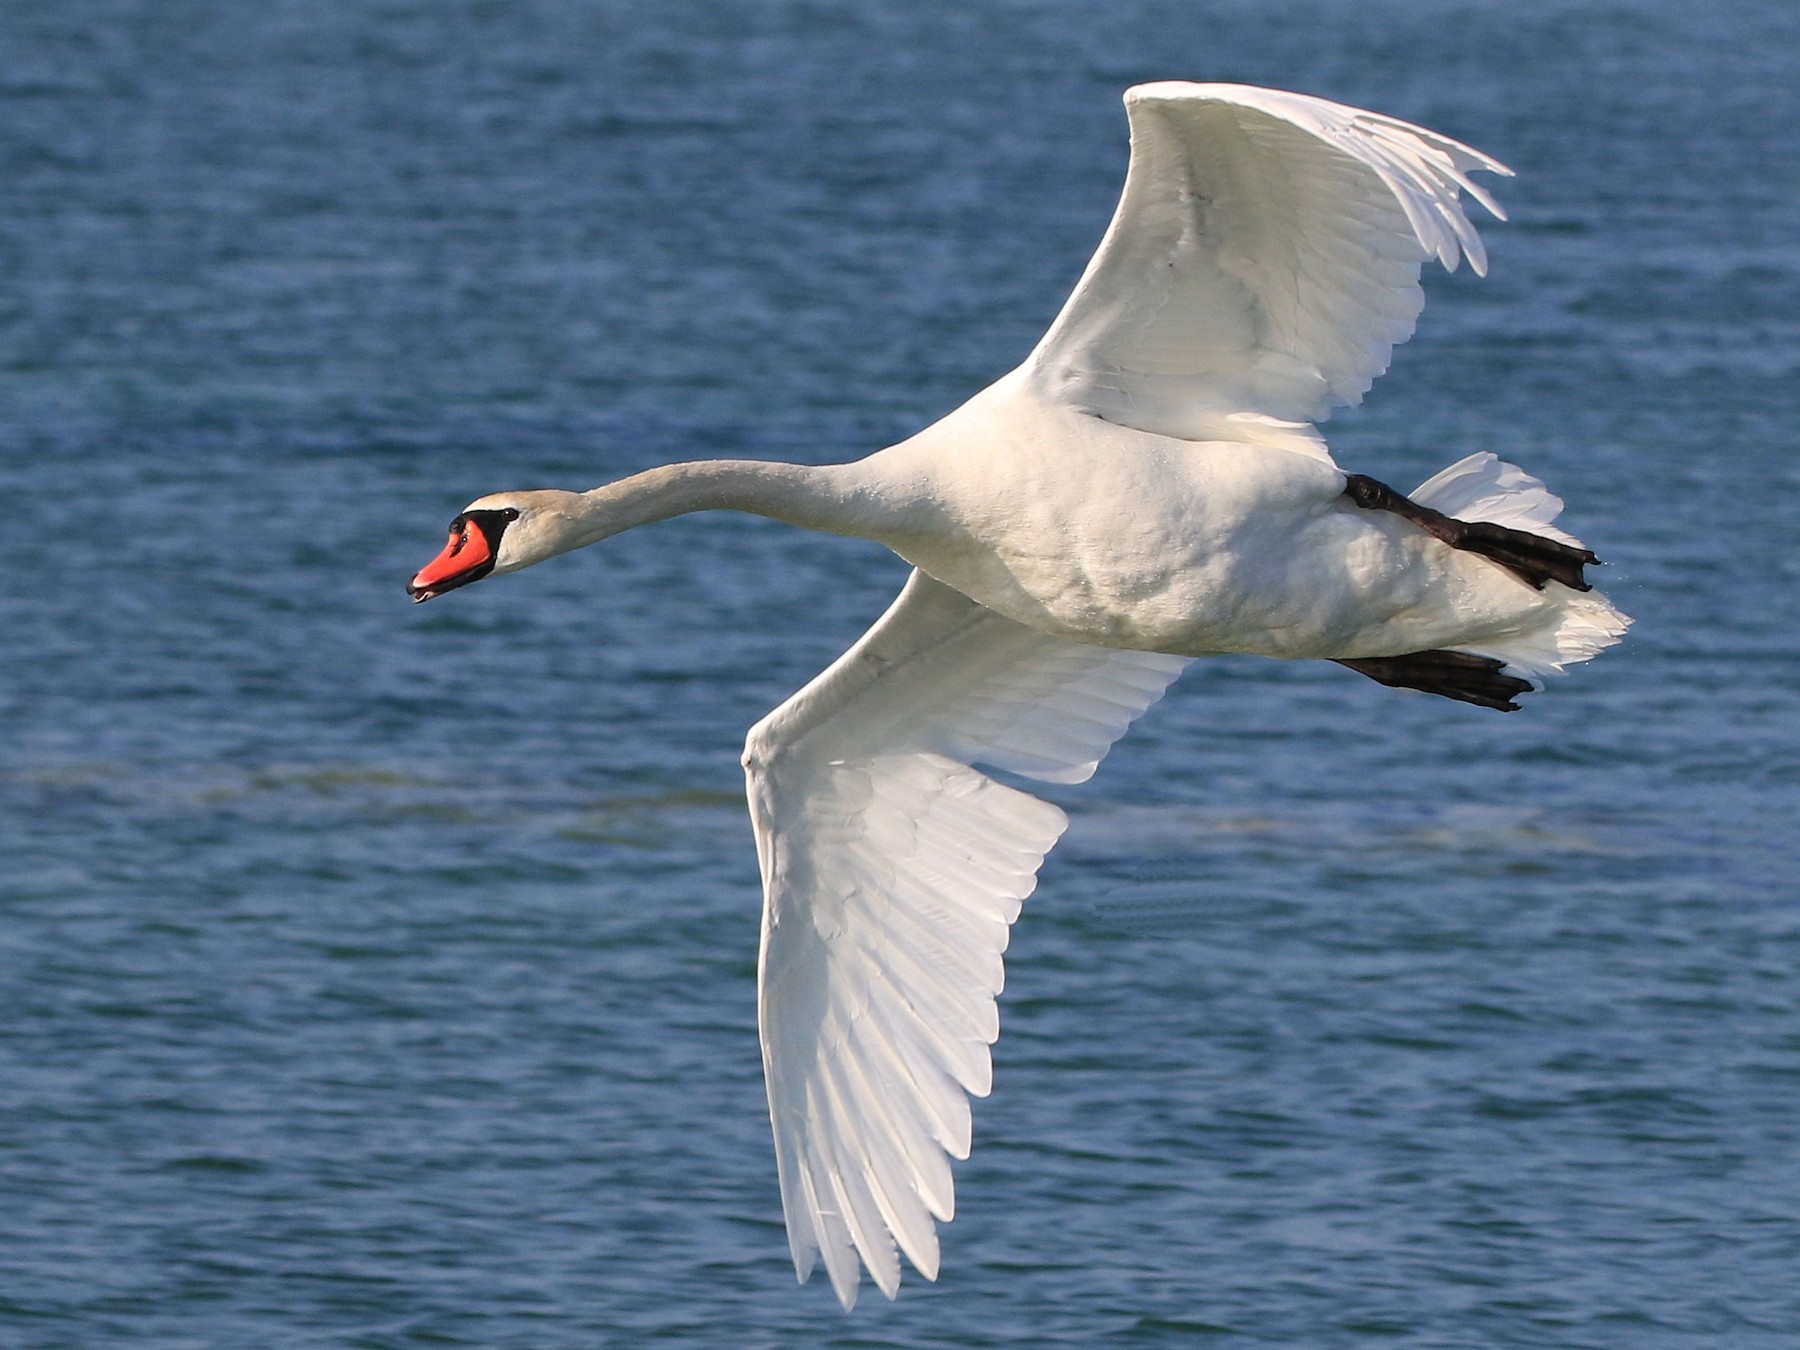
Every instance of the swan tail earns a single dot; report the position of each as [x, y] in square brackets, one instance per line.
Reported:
[1582, 623]
[1486, 487]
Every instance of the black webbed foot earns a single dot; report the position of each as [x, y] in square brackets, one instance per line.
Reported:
[1531, 556]
[1462, 676]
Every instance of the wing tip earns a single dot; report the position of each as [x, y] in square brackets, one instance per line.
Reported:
[1424, 169]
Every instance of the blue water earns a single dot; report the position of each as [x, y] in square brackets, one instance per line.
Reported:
[379, 976]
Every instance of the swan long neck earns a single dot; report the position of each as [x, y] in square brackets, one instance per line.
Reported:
[833, 498]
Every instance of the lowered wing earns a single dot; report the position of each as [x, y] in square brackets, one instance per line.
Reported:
[892, 869]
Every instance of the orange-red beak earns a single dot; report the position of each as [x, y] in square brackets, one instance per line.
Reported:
[466, 557]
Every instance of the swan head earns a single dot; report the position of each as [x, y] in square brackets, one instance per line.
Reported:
[499, 533]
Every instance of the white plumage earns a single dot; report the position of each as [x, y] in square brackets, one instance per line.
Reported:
[1146, 488]
[1264, 259]
[892, 870]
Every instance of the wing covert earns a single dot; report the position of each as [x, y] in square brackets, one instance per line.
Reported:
[892, 869]
[1263, 261]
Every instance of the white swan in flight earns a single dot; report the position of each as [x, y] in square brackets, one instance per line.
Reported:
[1146, 488]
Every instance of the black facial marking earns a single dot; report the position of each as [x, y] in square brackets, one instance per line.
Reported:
[492, 525]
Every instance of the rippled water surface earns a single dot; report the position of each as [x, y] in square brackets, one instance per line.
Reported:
[379, 976]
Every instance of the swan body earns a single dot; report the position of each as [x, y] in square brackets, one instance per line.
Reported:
[1147, 488]
[1107, 534]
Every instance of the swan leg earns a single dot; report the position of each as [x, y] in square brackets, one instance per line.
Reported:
[1531, 556]
[1462, 676]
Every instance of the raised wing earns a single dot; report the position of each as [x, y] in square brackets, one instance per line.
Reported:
[892, 869]
[1263, 262]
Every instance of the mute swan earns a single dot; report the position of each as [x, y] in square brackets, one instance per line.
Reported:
[1147, 488]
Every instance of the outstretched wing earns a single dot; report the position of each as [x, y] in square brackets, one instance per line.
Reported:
[1263, 262]
[892, 869]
